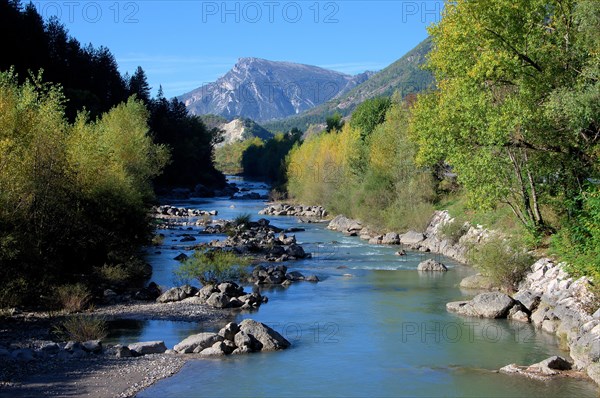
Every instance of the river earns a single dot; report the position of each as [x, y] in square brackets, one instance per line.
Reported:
[373, 326]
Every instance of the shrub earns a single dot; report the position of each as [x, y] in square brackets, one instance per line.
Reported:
[113, 274]
[242, 219]
[454, 230]
[212, 267]
[158, 240]
[578, 243]
[82, 328]
[73, 298]
[502, 260]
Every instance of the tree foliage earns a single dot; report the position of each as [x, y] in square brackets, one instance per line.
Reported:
[372, 177]
[72, 196]
[516, 112]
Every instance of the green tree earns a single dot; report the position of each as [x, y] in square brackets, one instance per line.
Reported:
[501, 116]
[369, 114]
[138, 85]
[334, 122]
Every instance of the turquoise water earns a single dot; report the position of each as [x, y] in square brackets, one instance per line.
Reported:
[374, 326]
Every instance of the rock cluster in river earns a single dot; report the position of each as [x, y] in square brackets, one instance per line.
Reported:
[173, 211]
[223, 295]
[248, 336]
[283, 209]
[262, 238]
[278, 275]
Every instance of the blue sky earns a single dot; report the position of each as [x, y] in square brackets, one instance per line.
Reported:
[184, 44]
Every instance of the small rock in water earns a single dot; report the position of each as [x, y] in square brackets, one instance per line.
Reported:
[431, 265]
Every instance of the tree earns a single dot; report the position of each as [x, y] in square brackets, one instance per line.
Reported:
[138, 85]
[369, 114]
[501, 117]
[334, 122]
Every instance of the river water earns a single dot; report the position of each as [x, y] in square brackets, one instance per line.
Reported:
[373, 326]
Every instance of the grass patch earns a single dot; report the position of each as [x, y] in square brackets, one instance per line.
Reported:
[73, 298]
[82, 328]
[453, 231]
[242, 219]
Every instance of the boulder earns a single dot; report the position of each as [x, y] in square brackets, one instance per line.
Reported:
[295, 251]
[218, 300]
[72, 346]
[123, 351]
[191, 343]
[229, 331]
[412, 238]
[430, 265]
[148, 347]
[518, 313]
[216, 350]
[554, 363]
[50, 348]
[94, 346]
[230, 289]
[175, 294]
[312, 278]
[295, 276]
[269, 339]
[206, 292]
[242, 339]
[148, 293]
[529, 299]
[485, 305]
[181, 257]
[391, 238]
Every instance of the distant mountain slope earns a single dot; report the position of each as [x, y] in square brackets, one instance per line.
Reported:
[404, 75]
[265, 90]
[236, 130]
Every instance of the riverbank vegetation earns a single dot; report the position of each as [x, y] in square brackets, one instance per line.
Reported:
[82, 151]
[510, 137]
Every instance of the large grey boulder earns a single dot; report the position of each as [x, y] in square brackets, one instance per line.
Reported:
[344, 224]
[191, 343]
[295, 251]
[391, 238]
[269, 339]
[430, 265]
[229, 331]
[148, 347]
[242, 339]
[484, 305]
[412, 238]
[177, 294]
[218, 300]
[294, 276]
[216, 350]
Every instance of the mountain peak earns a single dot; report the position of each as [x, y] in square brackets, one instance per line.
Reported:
[263, 90]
